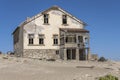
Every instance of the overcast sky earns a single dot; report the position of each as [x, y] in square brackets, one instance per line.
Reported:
[102, 17]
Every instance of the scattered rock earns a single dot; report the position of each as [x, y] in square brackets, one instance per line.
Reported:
[5, 57]
[85, 66]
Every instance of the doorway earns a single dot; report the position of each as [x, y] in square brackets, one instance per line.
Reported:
[82, 55]
[71, 54]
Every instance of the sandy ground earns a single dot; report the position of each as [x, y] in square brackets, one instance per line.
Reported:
[31, 69]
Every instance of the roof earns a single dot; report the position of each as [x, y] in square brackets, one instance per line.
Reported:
[51, 8]
[75, 30]
[15, 30]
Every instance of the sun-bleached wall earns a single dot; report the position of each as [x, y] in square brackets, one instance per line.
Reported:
[37, 27]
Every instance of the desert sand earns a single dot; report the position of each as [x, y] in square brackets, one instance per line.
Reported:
[13, 68]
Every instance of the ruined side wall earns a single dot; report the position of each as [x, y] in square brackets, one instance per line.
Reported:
[18, 42]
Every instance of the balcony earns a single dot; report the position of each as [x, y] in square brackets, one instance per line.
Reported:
[69, 45]
[72, 39]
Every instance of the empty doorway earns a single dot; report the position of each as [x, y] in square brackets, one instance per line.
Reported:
[71, 54]
[82, 55]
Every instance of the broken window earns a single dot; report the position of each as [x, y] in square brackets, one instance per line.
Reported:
[70, 38]
[31, 38]
[86, 40]
[57, 52]
[64, 19]
[41, 38]
[80, 39]
[55, 39]
[46, 18]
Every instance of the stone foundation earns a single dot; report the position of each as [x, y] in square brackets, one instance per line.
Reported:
[40, 53]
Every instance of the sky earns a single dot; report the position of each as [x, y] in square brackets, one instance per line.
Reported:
[102, 17]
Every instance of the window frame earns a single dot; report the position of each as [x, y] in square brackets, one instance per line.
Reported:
[57, 52]
[64, 19]
[55, 39]
[71, 39]
[41, 39]
[30, 39]
[80, 39]
[46, 18]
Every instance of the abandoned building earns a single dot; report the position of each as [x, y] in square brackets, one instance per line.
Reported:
[52, 34]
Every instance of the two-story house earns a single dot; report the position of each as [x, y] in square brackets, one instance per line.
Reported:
[53, 33]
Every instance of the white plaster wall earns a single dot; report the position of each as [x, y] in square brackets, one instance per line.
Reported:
[37, 27]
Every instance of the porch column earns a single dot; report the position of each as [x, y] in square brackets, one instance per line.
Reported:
[88, 54]
[64, 38]
[77, 54]
[77, 39]
[65, 54]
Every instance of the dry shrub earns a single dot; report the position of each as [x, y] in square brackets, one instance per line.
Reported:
[108, 77]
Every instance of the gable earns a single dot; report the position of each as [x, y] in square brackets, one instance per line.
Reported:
[57, 10]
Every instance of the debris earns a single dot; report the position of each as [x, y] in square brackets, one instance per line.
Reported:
[5, 57]
[85, 66]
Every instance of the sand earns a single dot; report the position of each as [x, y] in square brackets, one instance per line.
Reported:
[12, 68]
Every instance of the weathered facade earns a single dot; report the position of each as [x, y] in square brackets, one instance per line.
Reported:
[53, 33]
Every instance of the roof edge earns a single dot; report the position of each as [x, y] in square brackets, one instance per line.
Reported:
[15, 30]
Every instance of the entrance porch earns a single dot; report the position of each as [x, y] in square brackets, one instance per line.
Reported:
[74, 44]
[75, 54]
